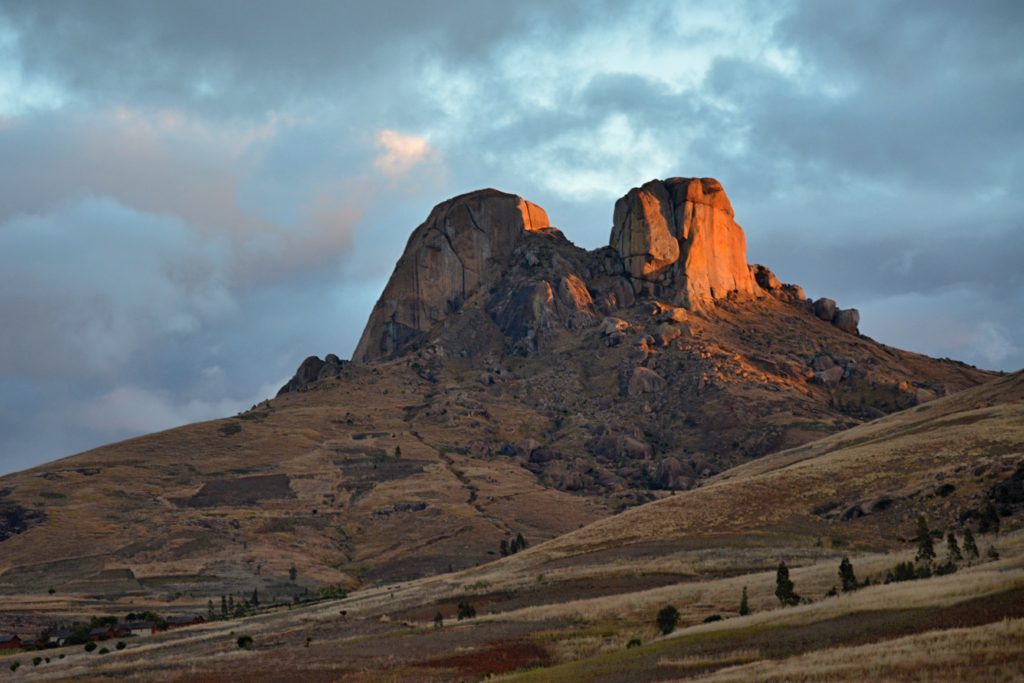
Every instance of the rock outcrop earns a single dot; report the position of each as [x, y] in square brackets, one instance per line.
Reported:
[674, 243]
[463, 246]
[678, 236]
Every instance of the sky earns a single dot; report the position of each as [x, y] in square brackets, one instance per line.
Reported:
[195, 196]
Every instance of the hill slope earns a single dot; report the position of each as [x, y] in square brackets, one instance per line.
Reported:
[572, 604]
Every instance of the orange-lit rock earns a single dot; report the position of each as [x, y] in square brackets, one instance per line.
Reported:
[463, 245]
[677, 237]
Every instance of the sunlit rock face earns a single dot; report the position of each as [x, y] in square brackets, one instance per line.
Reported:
[677, 237]
[464, 245]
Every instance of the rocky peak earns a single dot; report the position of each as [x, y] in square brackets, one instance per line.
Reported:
[494, 258]
[463, 246]
[678, 237]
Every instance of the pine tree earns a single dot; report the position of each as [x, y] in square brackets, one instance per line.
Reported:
[970, 547]
[224, 605]
[744, 605]
[292, 573]
[255, 597]
[846, 576]
[953, 548]
[503, 547]
[784, 587]
[925, 547]
[438, 620]
[210, 613]
[231, 604]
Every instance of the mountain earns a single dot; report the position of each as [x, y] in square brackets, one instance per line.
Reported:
[507, 382]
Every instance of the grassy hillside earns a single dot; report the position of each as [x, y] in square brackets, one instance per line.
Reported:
[567, 609]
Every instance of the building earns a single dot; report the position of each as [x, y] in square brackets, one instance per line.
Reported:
[185, 620]
[9, 641]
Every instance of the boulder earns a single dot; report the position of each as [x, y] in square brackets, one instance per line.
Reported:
[645, 381]
[464, 245]
[678, 237]
[825, 309]
[829, 378]
[847, 319]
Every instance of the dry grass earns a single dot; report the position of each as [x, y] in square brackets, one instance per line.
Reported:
[992, 652]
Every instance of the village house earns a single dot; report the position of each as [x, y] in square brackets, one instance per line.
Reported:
[9, 641]
[185, 620]
[141, 628]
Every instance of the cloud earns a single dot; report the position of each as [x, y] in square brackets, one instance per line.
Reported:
[194, 210]
[400, 153]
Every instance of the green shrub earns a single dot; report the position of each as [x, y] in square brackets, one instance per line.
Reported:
[245, 642]
[90, 646]
[36, 661]
[713, 617]
[104, 651]
[635, 642]
[15, 665]
[120, 645]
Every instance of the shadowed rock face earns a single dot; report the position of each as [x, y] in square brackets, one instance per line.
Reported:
[678, 236]
[464, 245]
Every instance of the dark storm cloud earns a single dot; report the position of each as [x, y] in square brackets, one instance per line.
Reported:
[239, 58]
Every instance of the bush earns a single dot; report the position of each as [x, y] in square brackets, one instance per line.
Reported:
[713, 617]
[465, 611]
[245, 642]
[103, 651]
[120, 645]
[90, 646]
[36, 661]
[635, 642]
[15, 665]
[668, 617]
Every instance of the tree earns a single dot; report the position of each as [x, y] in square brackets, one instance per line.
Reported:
[503, 547]
[970, 547]
[255, 597]
[784, 587]
[438, 620]
[292, 573]
[953, 548]
[465, 611]
[744, 605]
[846, 576]
[992, 553]
[231, 604]
[224, 605]
[668, 617]
[398, 451]
[244, 642]
[925, 547]
[211, 614]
